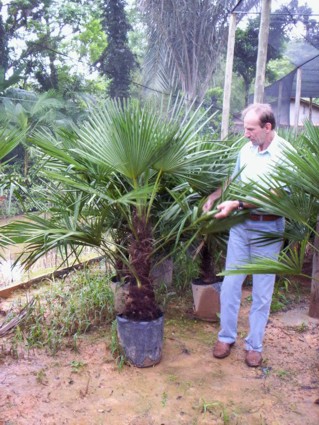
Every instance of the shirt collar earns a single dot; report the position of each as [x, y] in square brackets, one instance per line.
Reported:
[271, 148]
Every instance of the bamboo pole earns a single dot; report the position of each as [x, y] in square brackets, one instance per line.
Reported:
[279, 103]
[297, 99]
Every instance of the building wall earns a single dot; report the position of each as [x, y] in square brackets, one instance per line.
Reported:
[304, 113]
[237, 125]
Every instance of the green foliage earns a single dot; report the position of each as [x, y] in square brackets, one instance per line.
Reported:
[282, 296]
[44, 49]
[217, 409]
[137, 36]
[185, 270]
[246, 49]
[129, 181]
[121, 158]
[115, 347]
[280, 67]
[77, 366]
[5, 83]
[116, 61]
[20, 114]
[47, 35]
[93, 40]
[9, 140]
[66, 310]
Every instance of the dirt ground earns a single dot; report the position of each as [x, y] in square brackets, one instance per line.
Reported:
[188, 387]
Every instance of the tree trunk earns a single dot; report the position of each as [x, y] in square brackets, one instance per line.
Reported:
[141, 303]
[207, 266]
[246, 89]
[314, 298]
[262, 51]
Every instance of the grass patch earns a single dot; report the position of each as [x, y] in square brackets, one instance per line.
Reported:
[285, 293]
[68, 308]
[116, 349]
[219, 410]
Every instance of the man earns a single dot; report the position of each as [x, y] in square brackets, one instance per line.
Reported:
[254, 162]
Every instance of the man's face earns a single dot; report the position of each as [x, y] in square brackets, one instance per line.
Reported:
[253, 131]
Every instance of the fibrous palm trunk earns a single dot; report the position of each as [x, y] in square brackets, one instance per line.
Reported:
[207, 266]
[141, 303]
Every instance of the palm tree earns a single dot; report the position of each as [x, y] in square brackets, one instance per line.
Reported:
[128, 182]
[9, 140]
[28, 111]
[186, 40]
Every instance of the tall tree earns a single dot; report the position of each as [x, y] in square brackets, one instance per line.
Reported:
[246, 50]
[3, 43]
[282, 22]
[8, 27]
[185, 42]
[46, 50]
[117, 61]
[38, 38]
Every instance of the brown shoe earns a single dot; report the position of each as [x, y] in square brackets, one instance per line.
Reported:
[253, 358]
[221, 349]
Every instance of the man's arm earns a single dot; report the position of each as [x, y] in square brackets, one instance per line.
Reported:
[226, 207]
[211, 199]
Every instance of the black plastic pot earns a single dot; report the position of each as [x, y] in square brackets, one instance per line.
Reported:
[142, 342]
[206, 298]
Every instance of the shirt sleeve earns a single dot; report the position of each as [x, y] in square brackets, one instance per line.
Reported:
[236, 172]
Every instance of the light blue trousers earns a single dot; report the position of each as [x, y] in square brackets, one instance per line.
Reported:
[242, 247]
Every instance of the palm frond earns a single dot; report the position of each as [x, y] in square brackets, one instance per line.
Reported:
[9, 139]
[290, 262]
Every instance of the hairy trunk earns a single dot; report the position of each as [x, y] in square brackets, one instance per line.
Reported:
[141, 303]
[207, 266]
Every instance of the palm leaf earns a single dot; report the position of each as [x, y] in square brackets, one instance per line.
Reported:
[290, 262]
[9, 139]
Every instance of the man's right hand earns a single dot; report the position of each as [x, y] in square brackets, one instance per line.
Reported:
[212, 198]
[226, 208]
[210, 202]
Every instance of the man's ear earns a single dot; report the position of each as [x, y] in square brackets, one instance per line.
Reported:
[268, 126]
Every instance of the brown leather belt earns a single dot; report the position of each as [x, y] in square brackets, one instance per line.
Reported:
[263, 217]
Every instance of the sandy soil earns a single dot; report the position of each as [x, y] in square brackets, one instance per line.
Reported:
[189, 386]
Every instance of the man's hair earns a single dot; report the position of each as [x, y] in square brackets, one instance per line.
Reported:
[264, 112]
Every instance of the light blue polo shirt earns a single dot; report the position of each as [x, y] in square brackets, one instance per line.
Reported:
[257, 166]
[254, 166]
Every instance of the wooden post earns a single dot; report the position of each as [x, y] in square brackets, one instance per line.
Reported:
[228, 76]
[262, 51]
[310, 108]
[297, 99]
[279, 103]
